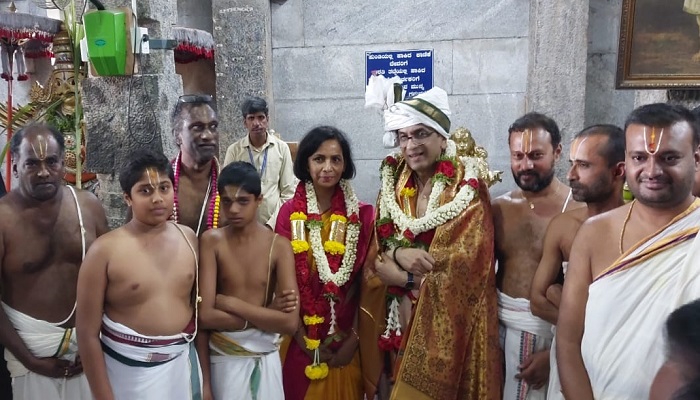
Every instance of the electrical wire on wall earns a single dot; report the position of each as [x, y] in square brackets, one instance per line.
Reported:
[144, 93]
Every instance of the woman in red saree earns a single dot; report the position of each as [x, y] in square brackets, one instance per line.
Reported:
[330, 232]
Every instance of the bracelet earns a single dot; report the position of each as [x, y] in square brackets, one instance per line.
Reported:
[396, 260]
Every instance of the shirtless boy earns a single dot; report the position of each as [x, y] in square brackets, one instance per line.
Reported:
[136, 288]
[242, 266]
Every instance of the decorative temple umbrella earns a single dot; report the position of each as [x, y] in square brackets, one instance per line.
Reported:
[16, 29]
[192, 45]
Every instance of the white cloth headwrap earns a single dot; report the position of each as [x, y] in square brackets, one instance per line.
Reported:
[402, 115]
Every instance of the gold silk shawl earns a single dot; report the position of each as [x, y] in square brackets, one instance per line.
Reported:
[453, 350]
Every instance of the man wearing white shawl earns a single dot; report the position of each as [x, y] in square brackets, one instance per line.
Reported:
[45, 229]
[632, 266]
[435, 238]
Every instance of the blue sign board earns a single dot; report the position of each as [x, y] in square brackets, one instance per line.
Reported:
[414, 67]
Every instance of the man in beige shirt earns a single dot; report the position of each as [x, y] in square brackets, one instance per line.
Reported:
[269, 155]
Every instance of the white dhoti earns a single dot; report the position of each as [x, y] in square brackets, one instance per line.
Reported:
[623, 340]
[143, 367]
[245, 365]
[554, 386]
[44, 339]
[522, 334]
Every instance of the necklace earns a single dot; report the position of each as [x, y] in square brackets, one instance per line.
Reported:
[624, 225]
[531, 204]
[213, 214]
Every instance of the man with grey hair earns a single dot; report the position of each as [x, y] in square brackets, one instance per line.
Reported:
[435, 237]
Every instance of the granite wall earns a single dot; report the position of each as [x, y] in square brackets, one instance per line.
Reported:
[496, 60]
[604, 104]
[480, 59]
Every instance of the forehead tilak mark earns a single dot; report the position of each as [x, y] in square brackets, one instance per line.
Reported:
[153, 171]
[576, 149]
[526, 141]
[652, 146]
[43, 147]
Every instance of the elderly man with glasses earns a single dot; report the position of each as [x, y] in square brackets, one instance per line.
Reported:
[196, 167]
[435, 235]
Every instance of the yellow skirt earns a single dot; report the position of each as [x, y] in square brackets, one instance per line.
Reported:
[343, 383]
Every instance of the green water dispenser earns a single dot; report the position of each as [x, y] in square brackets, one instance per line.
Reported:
[105, 33]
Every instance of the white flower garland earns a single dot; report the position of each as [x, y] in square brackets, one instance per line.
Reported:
[393, 324]
[434, 215]
[352, 235]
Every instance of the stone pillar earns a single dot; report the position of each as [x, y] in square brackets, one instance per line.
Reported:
[243, 61]
[195, 14]
[126, 113]
[557, 71]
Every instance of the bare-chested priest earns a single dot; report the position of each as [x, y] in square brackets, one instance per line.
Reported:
[521, 218]
[632, 266]
[45, 228]
[136, 315]
[596, 177]
[196, 167]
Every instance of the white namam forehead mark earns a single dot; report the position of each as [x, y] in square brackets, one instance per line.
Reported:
[575, 151]
[652, 143]
[153, 176]
[526, 141]
[40, 146]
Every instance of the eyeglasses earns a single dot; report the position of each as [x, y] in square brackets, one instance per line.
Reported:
[195, 98]
[418, 138]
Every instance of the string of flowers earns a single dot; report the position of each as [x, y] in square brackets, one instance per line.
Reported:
[397, 227]
[334, 260]
[435, 215]
[214, 200]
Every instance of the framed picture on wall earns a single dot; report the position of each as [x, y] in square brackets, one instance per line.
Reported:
[659, 45]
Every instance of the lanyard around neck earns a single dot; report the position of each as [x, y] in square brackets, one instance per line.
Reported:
[263, 166]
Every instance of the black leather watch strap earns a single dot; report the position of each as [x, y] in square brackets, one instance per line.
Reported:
[410, 283]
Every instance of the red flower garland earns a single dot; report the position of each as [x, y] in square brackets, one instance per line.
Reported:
[310, 303]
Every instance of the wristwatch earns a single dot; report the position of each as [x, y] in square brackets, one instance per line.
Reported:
[410, 283]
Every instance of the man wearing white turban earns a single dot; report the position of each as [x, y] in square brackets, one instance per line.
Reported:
[435, 238]
[430, 109]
